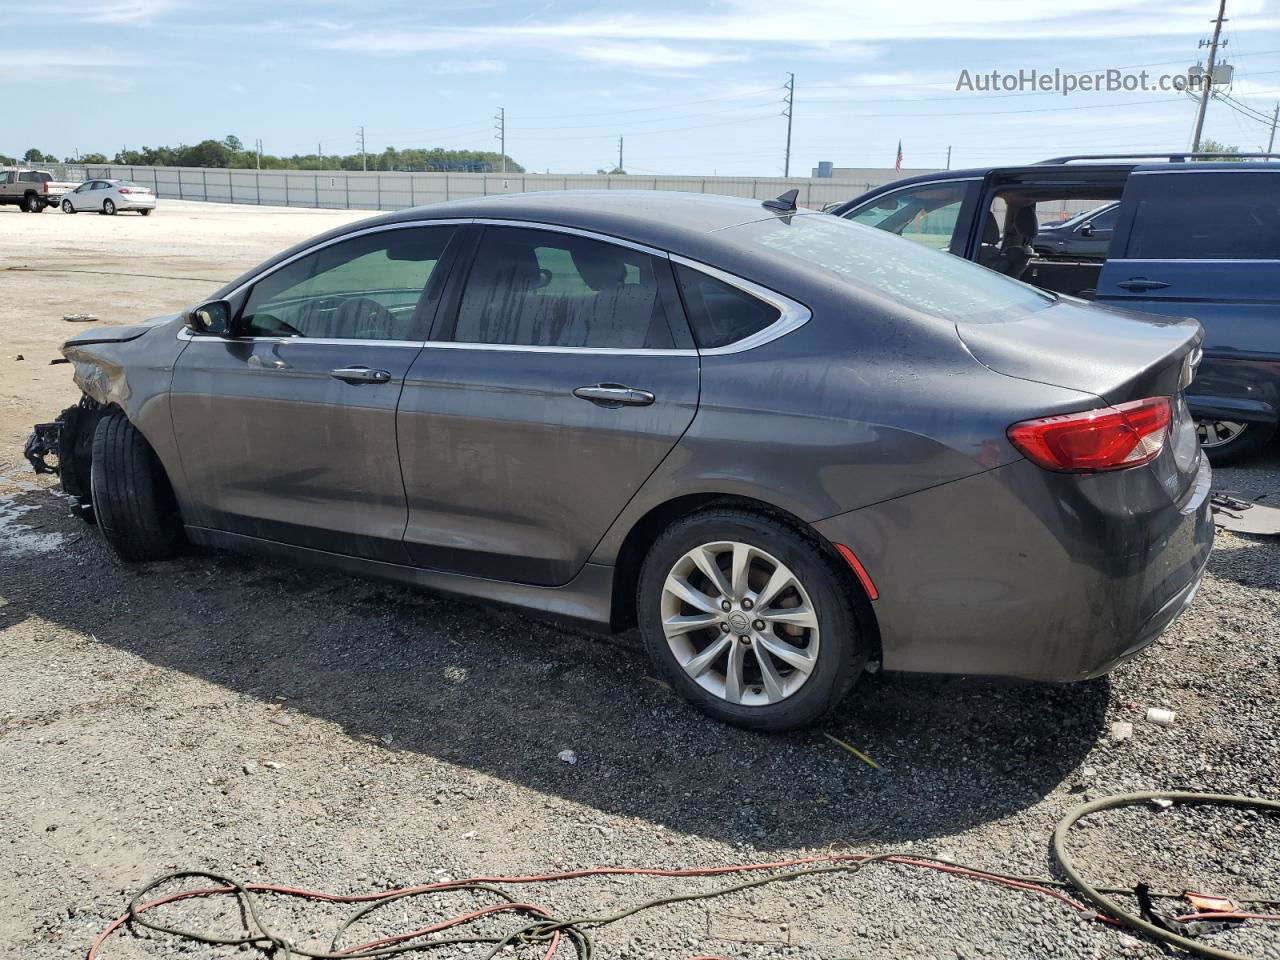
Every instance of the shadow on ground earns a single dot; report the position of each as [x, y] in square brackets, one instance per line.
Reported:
[502, 693]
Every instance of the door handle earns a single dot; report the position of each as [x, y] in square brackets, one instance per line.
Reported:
[360, 375]
[1139, 284]
[614, 395]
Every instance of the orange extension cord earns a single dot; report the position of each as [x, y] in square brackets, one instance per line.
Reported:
[969, 872]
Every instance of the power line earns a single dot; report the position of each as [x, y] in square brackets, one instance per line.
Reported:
[502, 135]
[790, 108]
[1208, 76]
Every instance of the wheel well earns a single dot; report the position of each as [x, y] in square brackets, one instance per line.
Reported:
[636, 544]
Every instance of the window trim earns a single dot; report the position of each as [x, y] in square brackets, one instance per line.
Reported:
[792, 315]
[186, 334]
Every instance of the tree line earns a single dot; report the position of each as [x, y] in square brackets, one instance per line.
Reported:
[231, 152]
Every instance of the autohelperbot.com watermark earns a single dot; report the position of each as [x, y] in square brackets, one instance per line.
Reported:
[1112, 80]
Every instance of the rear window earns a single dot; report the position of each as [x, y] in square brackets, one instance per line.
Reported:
[1205, 216]
[928, 280]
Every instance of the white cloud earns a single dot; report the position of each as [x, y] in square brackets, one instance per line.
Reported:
[114, 11]
[44, 59]
[653, 56]
[469, 66]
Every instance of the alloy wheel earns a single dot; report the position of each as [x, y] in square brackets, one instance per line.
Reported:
[740, 623]
[1218, 433]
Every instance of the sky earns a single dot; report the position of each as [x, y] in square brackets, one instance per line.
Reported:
[691, 87]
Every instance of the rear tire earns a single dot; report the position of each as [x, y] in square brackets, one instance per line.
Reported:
[108, 208]
[811, 619]
[33, 204]
[132, 500]
[147, 212]
[1225, 443]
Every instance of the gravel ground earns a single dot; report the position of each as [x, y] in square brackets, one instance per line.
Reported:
[283, 724]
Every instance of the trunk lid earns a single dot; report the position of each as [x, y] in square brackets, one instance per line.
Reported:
[1115, 354]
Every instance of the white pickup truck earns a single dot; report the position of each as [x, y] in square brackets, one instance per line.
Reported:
[33, 190]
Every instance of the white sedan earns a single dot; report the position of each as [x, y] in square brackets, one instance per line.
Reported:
[109, 197]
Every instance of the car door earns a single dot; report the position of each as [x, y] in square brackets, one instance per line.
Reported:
[561, 375]
[287, 430]
[1205, 242]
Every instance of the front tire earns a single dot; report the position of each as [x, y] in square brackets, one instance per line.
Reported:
[67, 207]
[108, 207]
[1226, 442]
[132, 500]
[751, 619]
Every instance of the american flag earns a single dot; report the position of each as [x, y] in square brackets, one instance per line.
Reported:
[897, 164]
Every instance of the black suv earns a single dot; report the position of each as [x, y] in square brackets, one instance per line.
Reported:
[1190, 235]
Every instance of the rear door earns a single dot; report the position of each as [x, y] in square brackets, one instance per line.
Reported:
[1205, 242]
[287, 431]
[562, 374]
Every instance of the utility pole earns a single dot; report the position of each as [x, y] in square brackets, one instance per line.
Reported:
[501, 127]
[948, 156]
[319, 157]
[1208, 76]
[364, 160]
[1271, 141]
[791, 102]
[620, 170]
[258, 148]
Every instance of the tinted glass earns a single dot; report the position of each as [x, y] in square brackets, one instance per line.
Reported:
[925, 280]
[366, 288]
[718, 313]
[1105, 220]
[1206, 216]
[926, 214]
[547, 289]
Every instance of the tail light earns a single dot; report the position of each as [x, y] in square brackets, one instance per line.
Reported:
[45, 187]
[1109, 438]
[124, 190]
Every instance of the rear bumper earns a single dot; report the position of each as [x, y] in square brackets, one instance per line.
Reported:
[1023, 573]
[135, 204]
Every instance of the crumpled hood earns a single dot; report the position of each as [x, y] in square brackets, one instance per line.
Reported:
[120, 334]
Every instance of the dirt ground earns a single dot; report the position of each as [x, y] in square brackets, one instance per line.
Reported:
[279, 723]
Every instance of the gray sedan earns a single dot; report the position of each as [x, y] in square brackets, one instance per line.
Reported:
[784, 445]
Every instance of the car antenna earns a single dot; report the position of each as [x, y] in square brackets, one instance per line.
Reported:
[786, 201]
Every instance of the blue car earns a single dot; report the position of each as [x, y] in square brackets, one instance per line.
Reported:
[1191, 236]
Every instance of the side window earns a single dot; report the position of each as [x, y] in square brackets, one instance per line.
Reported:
[26, 177]
[718, 313]
[547, 289]
[365, 288]
[98, 185]
[1104, 222]
[1205, 216]
[6, 177]
[926, 214]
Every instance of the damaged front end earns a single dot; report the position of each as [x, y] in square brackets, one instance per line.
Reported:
[69, 440]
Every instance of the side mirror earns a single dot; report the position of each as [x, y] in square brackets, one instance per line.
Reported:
[212, 319]
[1086, 230]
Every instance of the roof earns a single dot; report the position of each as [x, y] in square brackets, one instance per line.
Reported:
[654, 217]
[667, 220]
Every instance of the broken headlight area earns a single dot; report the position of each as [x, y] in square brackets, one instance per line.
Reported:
[68, 440]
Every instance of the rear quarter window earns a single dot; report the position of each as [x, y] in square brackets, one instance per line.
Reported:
[1231, 215]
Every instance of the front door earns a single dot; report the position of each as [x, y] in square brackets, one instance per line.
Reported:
[565, 374]
[287, 431]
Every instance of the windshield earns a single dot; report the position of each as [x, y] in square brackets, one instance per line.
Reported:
[937, 283]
